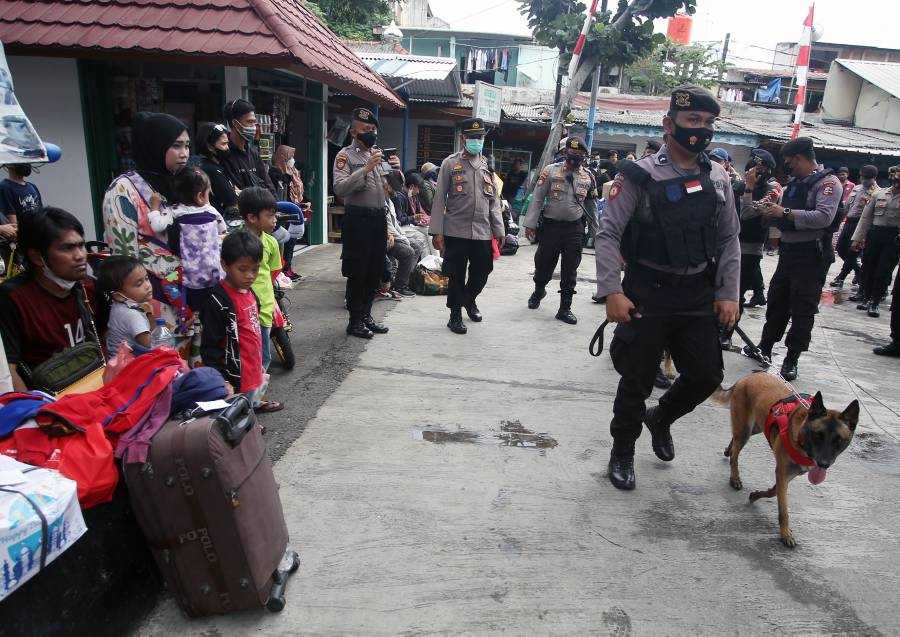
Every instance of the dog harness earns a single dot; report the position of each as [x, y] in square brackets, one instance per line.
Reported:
[780, 417]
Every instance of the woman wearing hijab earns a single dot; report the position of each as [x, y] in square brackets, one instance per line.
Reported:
[212, 146]
[161, 147]
[288, 187]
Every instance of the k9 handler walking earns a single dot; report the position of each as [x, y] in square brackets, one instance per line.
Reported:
[465, 216]
[672, 217]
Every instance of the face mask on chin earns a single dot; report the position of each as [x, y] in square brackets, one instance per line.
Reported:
[63, 283]
[693, 140]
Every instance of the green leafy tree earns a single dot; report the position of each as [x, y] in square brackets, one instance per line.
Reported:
[671, 64]
[616, 38]
[351, 19]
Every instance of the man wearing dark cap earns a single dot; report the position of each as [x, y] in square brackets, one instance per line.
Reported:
[359, 175]
[465, 216]
[862, 192]
[565, 194]
[761, 188]
[672, 217]
[843, 174]
[242, 164]
[804, 217]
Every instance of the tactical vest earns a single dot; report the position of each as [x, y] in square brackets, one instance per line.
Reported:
[752, 230]
[672, 227]
[796, 194]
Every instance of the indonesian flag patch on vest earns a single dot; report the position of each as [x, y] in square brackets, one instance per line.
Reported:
[692, 186]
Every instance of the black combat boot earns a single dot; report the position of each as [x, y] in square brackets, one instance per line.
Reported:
[473, 312]
[534, 301]
[790, 368]
[621, 466]
[757, 300]
[660, 436]
[372, 326]
[872, 310]
[358, 329]
[837, 284]
[891, 349]
[564, 313]
[661, 381]
[455, 323]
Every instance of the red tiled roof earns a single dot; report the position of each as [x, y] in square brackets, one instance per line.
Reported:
[279, 32]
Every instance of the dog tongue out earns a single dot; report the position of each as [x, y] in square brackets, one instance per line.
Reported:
[816, 475]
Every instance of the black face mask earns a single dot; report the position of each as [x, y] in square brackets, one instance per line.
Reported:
[220, 154]
[693, 140]
[574, 160]
[369, 139]
[22, 170]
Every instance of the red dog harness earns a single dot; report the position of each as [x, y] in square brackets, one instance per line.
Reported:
[780, 416]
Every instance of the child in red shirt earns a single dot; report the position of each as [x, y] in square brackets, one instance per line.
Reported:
[231, 340]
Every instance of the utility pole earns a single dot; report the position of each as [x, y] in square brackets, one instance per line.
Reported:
[724, 54]
[595, 85]
[559, 76]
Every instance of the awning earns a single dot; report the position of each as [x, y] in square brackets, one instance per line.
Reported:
[273, 33]
[422, 78]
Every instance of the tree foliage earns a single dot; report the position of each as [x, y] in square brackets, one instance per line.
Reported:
[351, 19]
[671, 64]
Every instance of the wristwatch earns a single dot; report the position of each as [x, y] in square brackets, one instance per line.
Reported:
[787, 211]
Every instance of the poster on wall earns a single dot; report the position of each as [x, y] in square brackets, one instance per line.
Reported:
[19, 143]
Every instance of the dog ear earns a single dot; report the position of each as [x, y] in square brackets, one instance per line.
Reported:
[817, 408]
[851, 415]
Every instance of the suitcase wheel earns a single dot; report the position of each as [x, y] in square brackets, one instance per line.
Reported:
[289, 565]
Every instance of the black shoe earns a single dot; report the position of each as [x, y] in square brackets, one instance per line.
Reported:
[474, 313]
[566, 316]
[660, 437]
[873, 310]
[891, 349]
[597, 299]
[621, 471]
[534, 301]
[455, 323]
[757, 300]
[359, 330]
[375, 328]
[758, 354]
[790, 369]
[661, 381]
[405, 292]
[837, 284]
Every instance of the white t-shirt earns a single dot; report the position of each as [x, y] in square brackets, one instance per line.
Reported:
[126, 321]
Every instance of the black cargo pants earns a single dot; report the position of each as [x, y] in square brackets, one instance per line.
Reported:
[559, 239]
[364, 239]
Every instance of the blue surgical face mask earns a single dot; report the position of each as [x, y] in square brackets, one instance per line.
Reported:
[474, 145]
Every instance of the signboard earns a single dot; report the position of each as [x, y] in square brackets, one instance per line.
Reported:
[19, 143]
[486, 104]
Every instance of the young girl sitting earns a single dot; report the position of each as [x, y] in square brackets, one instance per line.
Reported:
[195, 229]
[126, 313]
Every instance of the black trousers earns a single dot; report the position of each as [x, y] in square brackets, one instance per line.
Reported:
[677, 316]
[879, 258]
[364, 239]
[559, 239]
[849, 256]
[794, 294]
[467, 264]
[751, 274]
[895, 309]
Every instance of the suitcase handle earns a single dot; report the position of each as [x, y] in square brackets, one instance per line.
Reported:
[236, 420]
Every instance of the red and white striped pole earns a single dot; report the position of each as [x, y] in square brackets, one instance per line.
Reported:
[802, 71]
[579, 44]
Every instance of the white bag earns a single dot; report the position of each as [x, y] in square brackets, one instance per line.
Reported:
[26, 544]
[432, 262]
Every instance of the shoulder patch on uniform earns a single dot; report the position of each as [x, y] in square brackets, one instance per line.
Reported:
[828, 190]
[615, 189]
[340, 160]
[543, 177]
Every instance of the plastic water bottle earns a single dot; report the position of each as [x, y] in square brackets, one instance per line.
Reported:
[161, 336]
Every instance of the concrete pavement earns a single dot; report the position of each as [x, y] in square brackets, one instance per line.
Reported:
[418, 508]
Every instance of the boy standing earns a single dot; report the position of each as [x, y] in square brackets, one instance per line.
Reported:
[18, 197]
[231, 340]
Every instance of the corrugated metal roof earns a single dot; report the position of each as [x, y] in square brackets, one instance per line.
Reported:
[421, 77]
[283, 31]
[884, 75]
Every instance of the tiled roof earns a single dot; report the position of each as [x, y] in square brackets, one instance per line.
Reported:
[279, 32]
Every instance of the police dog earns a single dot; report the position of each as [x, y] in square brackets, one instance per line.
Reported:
[813, 437]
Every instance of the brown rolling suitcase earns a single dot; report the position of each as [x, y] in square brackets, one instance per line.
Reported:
[208, 504]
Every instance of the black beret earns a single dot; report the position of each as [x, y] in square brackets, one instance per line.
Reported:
[762, 156]
[472, 126]
[364, 115]
[576, 143]
[690, 97]
[797, 146]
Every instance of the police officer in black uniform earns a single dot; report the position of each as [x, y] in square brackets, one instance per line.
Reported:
[672, 216]
[808, 208]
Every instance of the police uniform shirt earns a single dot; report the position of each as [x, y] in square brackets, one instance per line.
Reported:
[351, 181]
[466, 204]
[882, 210]
[821, 205]
[624, 198]
[859, 197]
[560, 199]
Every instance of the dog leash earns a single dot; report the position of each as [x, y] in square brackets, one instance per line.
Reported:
[595, 348]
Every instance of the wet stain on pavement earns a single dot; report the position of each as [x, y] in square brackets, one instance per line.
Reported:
[883, 454]
[689, 489]
[513, 434]
[617, 622]
[866, 337]
[499, 595]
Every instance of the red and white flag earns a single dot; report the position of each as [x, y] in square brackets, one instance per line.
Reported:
[802, 71]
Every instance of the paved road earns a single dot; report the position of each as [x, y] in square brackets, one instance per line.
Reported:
[418, 509]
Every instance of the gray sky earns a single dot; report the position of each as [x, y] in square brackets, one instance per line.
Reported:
[754, 26]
